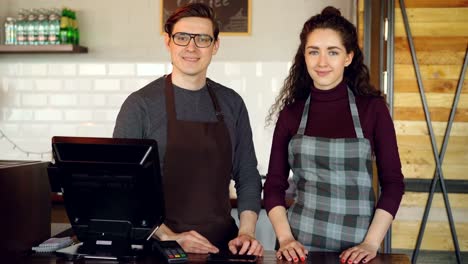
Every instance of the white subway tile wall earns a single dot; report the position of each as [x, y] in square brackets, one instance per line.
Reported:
[33, 69]
[33, 100]
[121, 69]
[38, 101]
[48, 84]
[92, 69]
[150, 69]
[62, 69]
[107, 85]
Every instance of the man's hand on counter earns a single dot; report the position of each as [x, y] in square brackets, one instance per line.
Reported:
[194, 242]
[245, 242]
[190, 241]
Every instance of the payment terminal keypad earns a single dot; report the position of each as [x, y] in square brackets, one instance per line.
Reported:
[171, 251]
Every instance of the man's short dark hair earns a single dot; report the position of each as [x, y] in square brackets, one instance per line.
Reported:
[192, 10]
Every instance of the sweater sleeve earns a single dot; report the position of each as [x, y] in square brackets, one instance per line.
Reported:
[131, 121]
[388, 161]
[245, 174]
[276, 183]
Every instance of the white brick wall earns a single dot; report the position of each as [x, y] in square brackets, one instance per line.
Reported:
[62, 69]
[48, 85]
[34, 100]
[21, 84]
[69, 100]
[122, 69]
[48, 115]
[32, 69]
[92, 69]
[76, 85]
[40, 100]
[151, 69]
[107, 85]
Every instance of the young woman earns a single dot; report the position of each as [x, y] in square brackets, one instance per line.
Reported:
[331, 124]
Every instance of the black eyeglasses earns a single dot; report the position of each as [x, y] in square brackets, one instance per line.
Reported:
[201, 40]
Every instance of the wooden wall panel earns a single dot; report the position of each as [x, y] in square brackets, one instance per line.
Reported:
[430, 86]
[408, 219]
[444, 100]
[407, 71]
[441, 57]
[440, 36]
[417, 170]
[419, 128]
[440, 114]
[419, 156]
[432, 44]
[423, 142]
[436, 237]
[433, 15]
[439, 29]
[457, 200]
[433, 3]
[360, 21]
[433, 22]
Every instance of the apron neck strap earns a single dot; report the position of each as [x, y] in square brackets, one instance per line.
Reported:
[355, 114]
[214, 99]
[305, 115]
[170, 101]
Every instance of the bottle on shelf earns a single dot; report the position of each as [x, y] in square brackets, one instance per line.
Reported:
[32, 28]
[42, 26]
[54, 29]
[21, 30]
[71, 22]
[10, 31]
[76, 31]
[64, 24]
[42, 30]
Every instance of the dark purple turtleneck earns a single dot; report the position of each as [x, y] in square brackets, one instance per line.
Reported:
[330, 116]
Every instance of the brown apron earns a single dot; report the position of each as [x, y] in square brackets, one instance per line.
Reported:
[197, 172]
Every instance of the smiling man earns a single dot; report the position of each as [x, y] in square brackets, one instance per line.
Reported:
[204, 139]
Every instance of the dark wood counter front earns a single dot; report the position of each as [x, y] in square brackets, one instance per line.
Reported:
[269, 258]
[24, 205]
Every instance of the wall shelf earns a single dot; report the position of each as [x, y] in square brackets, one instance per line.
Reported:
[68, 48]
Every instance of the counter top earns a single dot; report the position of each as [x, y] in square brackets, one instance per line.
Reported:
[268, 258]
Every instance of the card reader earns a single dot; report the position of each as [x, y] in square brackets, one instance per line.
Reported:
[171, 251]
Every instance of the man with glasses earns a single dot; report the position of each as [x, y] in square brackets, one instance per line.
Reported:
[204, 138]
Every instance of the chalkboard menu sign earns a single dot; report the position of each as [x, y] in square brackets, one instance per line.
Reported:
[233, 16]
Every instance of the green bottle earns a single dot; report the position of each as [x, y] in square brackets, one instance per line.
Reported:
[70, 34]
[63, 27]
[76, 31]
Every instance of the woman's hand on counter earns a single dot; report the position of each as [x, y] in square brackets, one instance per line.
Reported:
[291, 250]
[245, 244]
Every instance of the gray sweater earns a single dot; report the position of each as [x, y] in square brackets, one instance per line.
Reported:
[143, 115]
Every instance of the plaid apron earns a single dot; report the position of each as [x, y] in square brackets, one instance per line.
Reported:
[335, 200]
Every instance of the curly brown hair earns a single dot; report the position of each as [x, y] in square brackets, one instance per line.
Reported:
[298, 83]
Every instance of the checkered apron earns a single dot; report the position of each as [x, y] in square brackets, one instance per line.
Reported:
[335, 200]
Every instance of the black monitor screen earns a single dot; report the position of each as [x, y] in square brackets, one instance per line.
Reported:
[106, 182]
